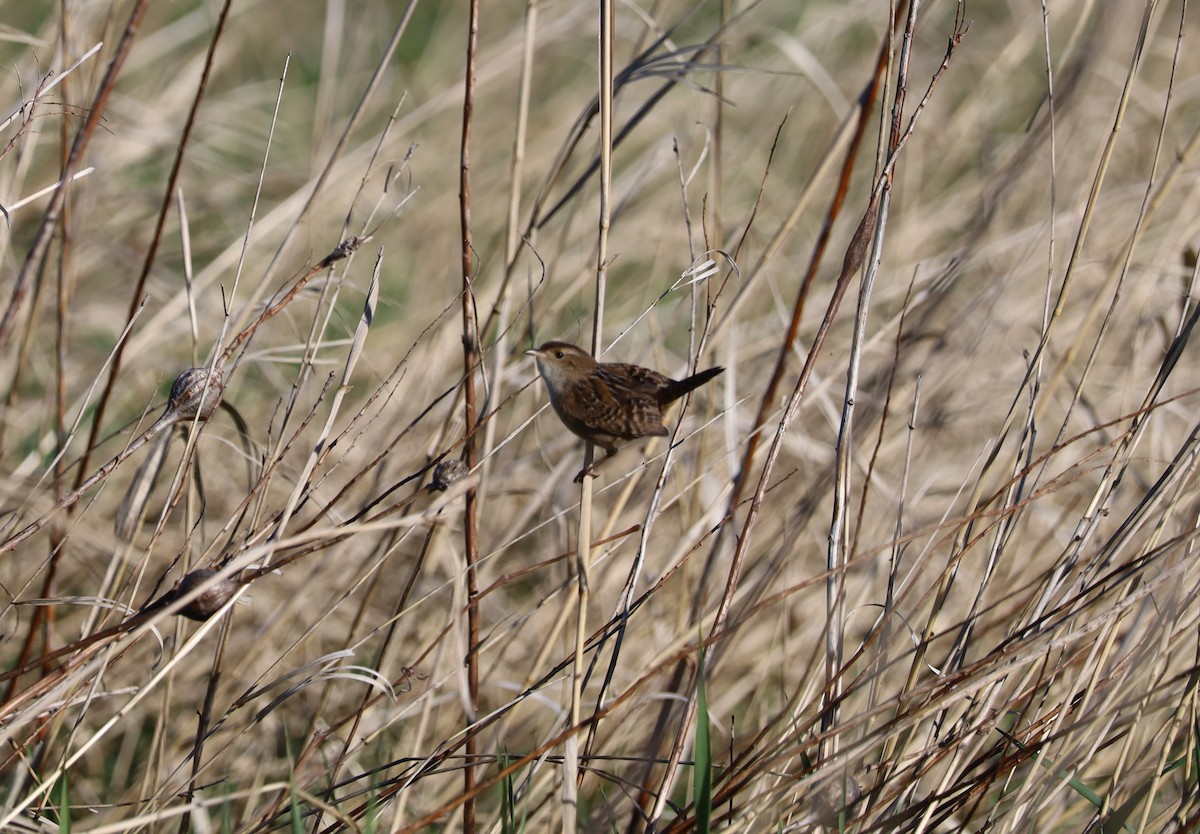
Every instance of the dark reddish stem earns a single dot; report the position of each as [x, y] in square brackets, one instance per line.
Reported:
[470, 454]
[138, 297]
[95, 113]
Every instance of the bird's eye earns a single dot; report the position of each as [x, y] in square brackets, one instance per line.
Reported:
[558, 354]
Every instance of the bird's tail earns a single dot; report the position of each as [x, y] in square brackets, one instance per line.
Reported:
[677, 389]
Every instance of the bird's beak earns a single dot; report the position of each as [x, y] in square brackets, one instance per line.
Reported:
[532, 352]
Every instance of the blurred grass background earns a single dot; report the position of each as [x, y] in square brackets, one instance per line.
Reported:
[1018, 591]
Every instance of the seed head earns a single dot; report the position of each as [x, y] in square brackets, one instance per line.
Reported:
[197, 391]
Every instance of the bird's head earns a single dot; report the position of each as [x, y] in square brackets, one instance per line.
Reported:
[559, 362]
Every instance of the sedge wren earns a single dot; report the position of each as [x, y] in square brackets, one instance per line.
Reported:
[608, 403]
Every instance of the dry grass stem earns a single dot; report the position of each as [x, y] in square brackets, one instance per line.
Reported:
[288, 537]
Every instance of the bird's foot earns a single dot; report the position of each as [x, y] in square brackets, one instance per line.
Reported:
[586, 472]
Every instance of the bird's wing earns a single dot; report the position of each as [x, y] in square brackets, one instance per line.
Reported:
[632, 378]
[624, 401]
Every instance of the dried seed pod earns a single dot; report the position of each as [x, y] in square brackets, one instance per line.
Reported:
[209, 602]
[197, 391]
[833, 798]
[446, 474]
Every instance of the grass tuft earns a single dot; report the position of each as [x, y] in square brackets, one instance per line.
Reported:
[288, 538]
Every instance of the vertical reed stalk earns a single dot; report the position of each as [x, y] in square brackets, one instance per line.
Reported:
[571, 774]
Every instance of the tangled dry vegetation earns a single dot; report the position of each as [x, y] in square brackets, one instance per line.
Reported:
[922, 559]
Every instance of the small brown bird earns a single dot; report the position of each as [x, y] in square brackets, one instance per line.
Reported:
[608, 403]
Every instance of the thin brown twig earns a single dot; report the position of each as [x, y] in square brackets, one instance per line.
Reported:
[855, 254]
[138, 297]
[866, 102]
[469, 454]
[95, 113]
[768, 399]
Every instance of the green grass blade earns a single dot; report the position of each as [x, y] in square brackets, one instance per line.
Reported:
[296, 812]
[64, 805]
[702, 778]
